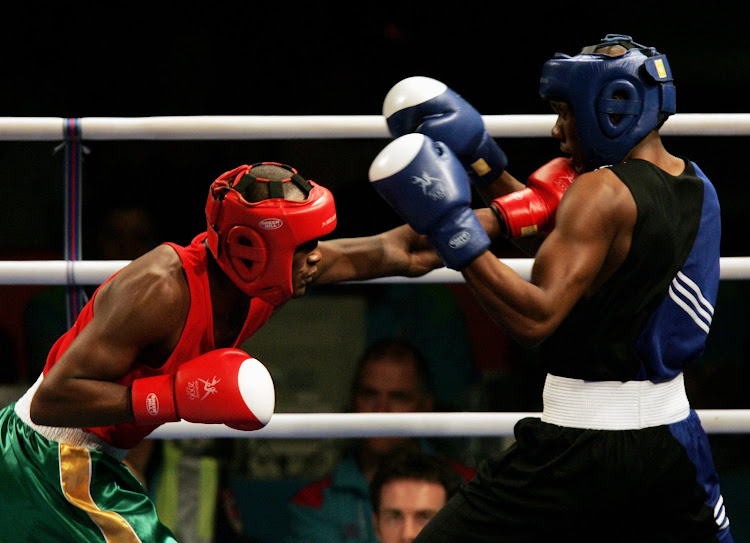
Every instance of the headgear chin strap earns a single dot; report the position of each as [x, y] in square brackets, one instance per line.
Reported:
[636, 87]
[254, 242]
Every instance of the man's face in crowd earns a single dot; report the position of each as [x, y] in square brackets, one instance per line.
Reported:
[405, 507]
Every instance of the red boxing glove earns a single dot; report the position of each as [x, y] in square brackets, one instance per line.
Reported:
[222, 386]
[533, 209]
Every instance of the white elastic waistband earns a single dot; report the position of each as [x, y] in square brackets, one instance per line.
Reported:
[613, 405]
[70, 436]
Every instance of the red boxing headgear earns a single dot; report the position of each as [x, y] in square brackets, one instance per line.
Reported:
[254, 242]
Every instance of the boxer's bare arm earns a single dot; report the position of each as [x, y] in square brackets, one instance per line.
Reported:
[139, 314]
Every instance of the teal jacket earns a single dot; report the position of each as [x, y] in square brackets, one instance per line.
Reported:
[335, 509]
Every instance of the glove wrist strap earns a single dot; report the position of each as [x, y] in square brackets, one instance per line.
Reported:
[153, 400]
[486, 163]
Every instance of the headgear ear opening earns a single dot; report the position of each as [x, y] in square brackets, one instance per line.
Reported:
[618, 107]
[248, 252]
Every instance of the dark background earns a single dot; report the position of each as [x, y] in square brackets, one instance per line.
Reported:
[113, 59]
[127, 60]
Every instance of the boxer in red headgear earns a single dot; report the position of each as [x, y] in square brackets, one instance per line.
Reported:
[160, 341]
[253, 242]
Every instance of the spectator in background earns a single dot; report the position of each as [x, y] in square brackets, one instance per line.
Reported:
[430, 317]
[406, 491]
[391, 377]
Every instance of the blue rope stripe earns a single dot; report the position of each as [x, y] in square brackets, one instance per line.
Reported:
[74, 294]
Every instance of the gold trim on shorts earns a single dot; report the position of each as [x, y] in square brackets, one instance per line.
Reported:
[75, 482]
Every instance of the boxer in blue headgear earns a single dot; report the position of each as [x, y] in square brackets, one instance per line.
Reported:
[619, 301]
[617, 100]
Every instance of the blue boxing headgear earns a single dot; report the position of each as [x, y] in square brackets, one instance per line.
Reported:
[636, 87]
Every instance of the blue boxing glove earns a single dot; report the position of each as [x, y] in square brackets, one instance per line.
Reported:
[427, 186]
[425, 105]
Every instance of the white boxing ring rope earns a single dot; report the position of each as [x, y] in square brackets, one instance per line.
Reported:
[352, 425]
[249, 127]
[94, 272]
[336, 425]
